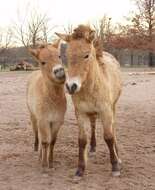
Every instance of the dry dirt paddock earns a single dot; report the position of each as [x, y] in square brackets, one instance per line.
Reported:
[19, 165]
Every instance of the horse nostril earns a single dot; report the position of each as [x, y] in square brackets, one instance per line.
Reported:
[55, 71]
[73, 87]
[58, 70]
[61, 69]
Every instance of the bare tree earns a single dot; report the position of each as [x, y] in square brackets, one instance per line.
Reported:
[104, 29]
[5, 39]
[68, 29]
[33, 29]
[144, 22]
[5, 43]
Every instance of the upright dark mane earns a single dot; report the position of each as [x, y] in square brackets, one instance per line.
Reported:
[98, 47]
[81, 31]
[84, 30]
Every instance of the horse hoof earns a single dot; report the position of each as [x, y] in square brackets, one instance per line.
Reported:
[79, 173]
[119, 161]
[92, 149]
[116, 173]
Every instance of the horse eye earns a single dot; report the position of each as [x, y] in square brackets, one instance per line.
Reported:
[86, 56]
[43, 63]
[59, 57]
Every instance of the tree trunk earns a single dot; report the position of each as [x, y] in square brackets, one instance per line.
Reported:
[151, 64]
[131, 59]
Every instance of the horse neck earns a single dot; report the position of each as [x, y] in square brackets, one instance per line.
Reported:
[93, 78]
[53, 89]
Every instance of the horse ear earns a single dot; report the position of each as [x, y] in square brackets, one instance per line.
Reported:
[90, 36]
[55, 44]
[34, 52]
[65, 37]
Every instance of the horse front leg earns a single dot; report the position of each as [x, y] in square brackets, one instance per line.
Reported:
[82, 141]
[44, 136]
[92, 119]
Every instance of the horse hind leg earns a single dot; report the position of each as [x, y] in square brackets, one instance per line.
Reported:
[54, 129]
[110, 140]
[114, 132]
[92, 119]
[35, 130]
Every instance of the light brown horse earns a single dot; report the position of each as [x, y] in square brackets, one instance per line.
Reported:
[93, 80]
[46, 100]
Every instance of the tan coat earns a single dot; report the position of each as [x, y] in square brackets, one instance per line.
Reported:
[46, 101]
[94, 81]
[103, 86]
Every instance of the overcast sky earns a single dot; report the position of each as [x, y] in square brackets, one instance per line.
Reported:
[63, 12]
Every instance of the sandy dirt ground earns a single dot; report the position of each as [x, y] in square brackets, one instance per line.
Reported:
[20, 168]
